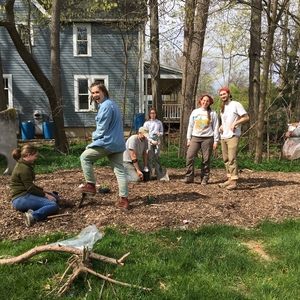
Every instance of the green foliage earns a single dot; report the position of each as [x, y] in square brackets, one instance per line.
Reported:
[212, 261]
[50, 161]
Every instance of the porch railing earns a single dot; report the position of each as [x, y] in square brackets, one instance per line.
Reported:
[171, 112]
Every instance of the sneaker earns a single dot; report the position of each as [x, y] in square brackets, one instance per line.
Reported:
[123, 204]
[224, 184]
[165, 178]
[186, 180]
[88, 188]
[28, 219]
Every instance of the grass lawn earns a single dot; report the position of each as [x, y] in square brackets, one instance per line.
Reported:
[213, 262]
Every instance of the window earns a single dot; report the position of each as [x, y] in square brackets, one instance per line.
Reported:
[82, 39]
[82, 93]
[7, 80]
[26, 34]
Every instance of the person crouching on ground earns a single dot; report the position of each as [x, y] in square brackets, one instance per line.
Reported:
[202, 134]
[136, 146]
[36, 202]
[108, 141]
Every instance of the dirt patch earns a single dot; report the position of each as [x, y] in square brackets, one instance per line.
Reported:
[260, 196]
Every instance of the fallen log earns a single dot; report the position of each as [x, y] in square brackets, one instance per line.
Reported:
[59, 248]
[57, 216]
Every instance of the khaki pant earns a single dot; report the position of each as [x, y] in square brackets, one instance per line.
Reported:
[229, 152]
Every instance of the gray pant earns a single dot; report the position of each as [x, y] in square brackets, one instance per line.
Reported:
[206, 146]
[130, 171]
[153, 152]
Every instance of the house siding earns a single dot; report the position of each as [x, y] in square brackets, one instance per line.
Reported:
[107, 59]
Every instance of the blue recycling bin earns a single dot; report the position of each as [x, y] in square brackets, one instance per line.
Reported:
[27, 130]
[139, 120]
[48, 128]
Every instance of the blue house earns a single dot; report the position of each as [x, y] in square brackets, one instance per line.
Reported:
[105, 46]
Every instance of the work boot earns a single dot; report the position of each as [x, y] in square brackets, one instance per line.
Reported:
[123, 203]
[88, 188]
[232, 185]
[187, 180]
[225, 184]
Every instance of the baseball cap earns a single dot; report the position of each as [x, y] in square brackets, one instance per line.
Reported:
[226, 89]
[144, 131]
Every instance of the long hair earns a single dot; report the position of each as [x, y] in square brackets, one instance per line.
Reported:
[26, 150]
[211, 100]
[226, 89]
[149, 116]
[102, 88]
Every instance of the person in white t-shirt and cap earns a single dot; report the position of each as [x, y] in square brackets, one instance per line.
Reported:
[233, 115]
[136, 147]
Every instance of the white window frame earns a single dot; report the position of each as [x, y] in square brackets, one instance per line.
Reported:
[90, 79]
[9, 88]
[89, 39]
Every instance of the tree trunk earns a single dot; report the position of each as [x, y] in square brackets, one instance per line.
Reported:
[2, 95]
[196, 13]
[254, 70]
[273, 18]
[37, 73]
[154, 61]
[61, 142]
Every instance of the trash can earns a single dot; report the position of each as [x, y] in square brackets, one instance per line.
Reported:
[38, 122]
[48, 130]
[27, 131]
[139, 120]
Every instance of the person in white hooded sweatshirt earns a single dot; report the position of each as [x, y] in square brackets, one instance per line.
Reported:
[156, 131]
[202, 134]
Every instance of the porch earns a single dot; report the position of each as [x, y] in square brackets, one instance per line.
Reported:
[171, 113]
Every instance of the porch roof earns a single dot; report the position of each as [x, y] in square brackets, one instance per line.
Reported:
[171, 79]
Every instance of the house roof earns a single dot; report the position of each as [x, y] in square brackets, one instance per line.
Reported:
[170, 78]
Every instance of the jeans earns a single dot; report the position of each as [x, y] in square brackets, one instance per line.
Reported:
[91, 155]
[206, 146]
[229, 152]
[41, 206]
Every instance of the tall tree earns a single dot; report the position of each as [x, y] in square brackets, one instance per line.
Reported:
[196, 13]
[155, 59]
[274, 14]
[61, 143]
[254, 69]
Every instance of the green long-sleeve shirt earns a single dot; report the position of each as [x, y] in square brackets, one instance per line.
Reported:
[22, 181]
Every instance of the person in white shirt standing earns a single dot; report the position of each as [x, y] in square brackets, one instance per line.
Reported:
[156, 131]
[233, 115]
[202, 134]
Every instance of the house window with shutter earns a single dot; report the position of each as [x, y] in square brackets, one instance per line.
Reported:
[82, 39]
[82, 92]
